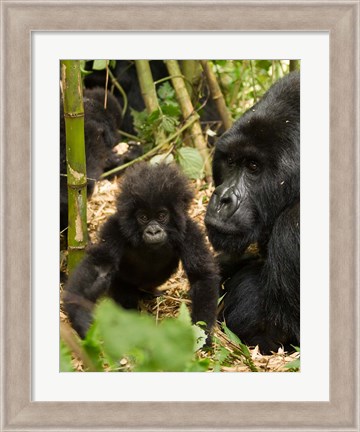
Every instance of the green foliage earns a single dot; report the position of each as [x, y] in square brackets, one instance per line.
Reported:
[294, 366]
[243, 82]
[65, 358]
[198, 332]
[118, 334]
[165, 119]
[191, 162]
[240, 349]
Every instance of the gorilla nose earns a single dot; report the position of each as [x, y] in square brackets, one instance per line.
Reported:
[224, 202]
[153, 230]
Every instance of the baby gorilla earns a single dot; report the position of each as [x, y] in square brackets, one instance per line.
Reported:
[140, 248]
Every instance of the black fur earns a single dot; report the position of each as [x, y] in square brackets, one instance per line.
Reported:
[257, 200]
[140, 248]
[101, 135]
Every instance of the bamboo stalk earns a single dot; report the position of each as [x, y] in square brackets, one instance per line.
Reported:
[148, 90]
[75, 160]
[192, 72]
[216, 94]
[187, 109]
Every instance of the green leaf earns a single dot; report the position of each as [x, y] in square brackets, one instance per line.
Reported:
[99, 64]
[164, 347]
[184, 314]
[235, 339]
[201, 365]
[65, 358]
[166, 91]
[200, 337]
[155, 115]
[294, 365]
[93, 348]
[191, 162]
[222, 354]
[198, 332]
[232, 336]
[171, 109]
[168, 124]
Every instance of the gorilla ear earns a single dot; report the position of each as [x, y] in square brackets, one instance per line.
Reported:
[187, 197]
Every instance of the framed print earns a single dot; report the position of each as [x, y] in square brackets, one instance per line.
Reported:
[27, 27]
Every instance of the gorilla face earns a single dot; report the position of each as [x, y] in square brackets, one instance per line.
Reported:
[256, 173]
[232, 213]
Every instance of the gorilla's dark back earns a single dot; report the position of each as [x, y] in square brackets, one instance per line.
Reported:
[257, 200]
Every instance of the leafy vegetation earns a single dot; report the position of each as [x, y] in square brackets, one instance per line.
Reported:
[121, 340]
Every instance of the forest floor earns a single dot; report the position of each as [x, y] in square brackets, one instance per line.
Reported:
[102, 204]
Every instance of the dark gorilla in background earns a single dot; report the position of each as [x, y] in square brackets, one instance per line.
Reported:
[140, 248]
[101, 135]
[256, 171]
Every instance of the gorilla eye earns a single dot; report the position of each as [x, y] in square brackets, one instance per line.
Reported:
[143, 218]
[162, 216]
[252, 166]
[230, 161]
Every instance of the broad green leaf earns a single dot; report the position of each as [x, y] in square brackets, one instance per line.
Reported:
[191, 162]
[164, 347]
[99, 64]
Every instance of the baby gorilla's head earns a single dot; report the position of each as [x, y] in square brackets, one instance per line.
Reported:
[153, 203]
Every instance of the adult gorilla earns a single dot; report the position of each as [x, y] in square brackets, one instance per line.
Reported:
[256, 171]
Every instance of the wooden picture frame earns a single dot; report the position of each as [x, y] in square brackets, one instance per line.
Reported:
[18, 20]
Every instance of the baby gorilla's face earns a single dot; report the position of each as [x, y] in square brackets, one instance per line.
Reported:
[153, 224]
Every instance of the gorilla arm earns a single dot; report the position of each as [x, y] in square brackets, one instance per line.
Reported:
[92, 277]
[202, 273]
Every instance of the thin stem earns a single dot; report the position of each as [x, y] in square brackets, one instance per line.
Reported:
[121, 90]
